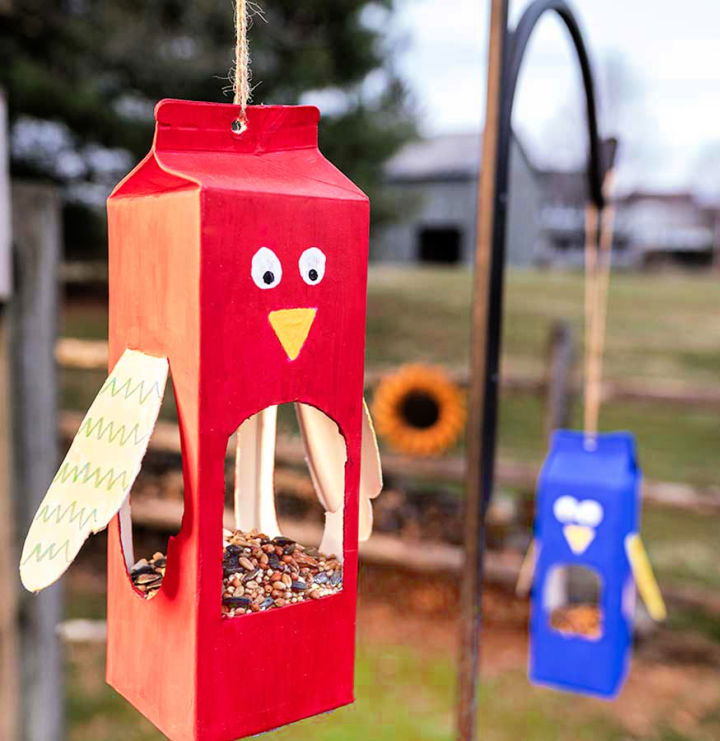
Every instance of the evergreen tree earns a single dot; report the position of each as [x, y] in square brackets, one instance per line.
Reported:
[97, 67]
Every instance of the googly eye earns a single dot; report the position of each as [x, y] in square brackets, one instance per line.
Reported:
[589, 512]
[565, 509]
[266, 269]
[312, 265]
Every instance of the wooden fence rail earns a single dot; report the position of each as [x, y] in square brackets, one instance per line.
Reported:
[502, 567]
[92, 355]
[166, 439]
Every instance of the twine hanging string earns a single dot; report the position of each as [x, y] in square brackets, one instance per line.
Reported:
[591, 236]
[599, 228]
[241, 77]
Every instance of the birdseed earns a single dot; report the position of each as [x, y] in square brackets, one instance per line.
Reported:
[581, 619]
[259, 573]
[147, 574]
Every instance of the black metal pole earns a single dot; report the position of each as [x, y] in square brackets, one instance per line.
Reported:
[505, 56]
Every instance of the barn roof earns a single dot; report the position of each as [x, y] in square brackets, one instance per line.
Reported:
[443, 157]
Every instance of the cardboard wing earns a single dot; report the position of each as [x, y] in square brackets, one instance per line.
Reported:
[645, 578]
[325, 449]
[254, 467]
[326, 458]
[371, 480]
[99, 469]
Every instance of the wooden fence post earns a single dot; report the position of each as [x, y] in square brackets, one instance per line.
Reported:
[9, 639]
[560, 392]
[9, 667]
[33, 332]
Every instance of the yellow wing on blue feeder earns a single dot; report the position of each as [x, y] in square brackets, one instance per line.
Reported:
[645, 578]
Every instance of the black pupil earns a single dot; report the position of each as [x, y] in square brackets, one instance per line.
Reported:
[313, 274]
[419, 409]
[268, 277]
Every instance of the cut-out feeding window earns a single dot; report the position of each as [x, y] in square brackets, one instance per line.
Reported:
[153, 511]
[572, 599]
[283, 544]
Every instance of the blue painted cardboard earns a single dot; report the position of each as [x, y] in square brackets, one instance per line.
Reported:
[582, 479]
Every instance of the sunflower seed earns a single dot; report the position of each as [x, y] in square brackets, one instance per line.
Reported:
[274, 573]
[147, 579]
[247, 564]
[237, 601]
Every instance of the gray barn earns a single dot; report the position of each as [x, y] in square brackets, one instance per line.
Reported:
[433, 184]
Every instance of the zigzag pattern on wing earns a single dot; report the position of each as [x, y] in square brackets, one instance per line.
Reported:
[85, 474]
[50, 553]
[128, 390]
[46, 513]
[99, 429]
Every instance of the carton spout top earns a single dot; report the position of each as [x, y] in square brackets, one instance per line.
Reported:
[183, 125]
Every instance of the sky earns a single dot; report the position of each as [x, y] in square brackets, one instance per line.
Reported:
[663, 57]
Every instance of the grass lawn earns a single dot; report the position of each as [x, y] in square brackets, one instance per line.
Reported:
[405, 692]
[674, 443]
[683, 547]
[405, 678]
[660, 326]
[401, 696]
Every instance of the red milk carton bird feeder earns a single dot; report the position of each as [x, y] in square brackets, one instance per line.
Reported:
[239, 262]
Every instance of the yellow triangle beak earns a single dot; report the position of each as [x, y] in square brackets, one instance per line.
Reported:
[292, 327]
[578, 537]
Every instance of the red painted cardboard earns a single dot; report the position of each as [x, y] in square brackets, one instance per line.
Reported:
[183, 227]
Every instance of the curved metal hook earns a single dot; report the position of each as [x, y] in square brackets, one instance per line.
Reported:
[519, 40]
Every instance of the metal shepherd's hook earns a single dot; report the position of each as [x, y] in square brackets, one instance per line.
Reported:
[505, 56]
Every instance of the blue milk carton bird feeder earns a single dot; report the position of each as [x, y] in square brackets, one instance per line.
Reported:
[587, 523]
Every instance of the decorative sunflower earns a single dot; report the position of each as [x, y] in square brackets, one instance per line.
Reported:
[419, 410]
